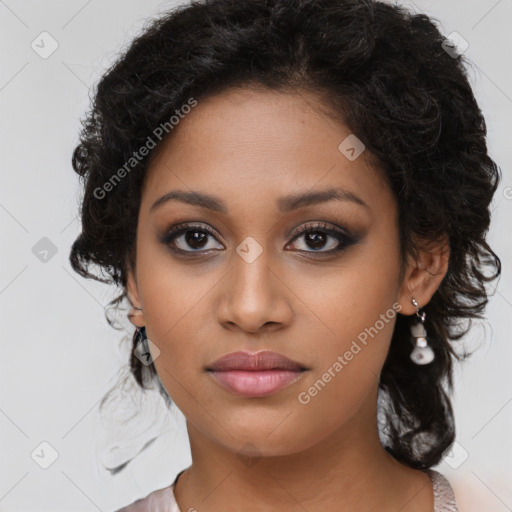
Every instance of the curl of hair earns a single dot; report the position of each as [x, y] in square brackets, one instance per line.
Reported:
[382, 71]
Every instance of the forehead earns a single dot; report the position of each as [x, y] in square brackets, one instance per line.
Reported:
[248, 144]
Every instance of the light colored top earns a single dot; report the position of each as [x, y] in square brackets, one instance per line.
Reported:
[163, 500]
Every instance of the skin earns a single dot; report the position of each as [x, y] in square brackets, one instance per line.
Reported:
[250, 147]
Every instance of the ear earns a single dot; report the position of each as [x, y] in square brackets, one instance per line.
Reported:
[423, 274]
[136, 316]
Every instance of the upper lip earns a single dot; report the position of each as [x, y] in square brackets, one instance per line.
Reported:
[264, 360]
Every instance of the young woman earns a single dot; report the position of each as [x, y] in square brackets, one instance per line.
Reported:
[294, 196]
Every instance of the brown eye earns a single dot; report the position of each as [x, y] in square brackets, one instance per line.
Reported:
[322, 238]
[189, 238]
[316, 238]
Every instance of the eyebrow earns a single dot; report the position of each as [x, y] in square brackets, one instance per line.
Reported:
[285, 204]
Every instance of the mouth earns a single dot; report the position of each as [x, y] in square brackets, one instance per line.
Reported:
[253, 375]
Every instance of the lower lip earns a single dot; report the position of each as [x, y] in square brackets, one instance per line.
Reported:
[252, 384]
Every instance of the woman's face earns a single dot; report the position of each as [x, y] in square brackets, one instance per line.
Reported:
[326, 299]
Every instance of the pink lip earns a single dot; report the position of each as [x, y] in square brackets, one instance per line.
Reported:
[255, 375]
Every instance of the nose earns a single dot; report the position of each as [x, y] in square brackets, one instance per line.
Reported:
[254, 297]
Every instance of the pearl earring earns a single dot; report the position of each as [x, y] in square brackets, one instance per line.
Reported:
[422, 352]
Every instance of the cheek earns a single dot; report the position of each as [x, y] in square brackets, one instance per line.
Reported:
[343, 383]
[355, 313]
[352, 301]
[174, 301]
[173, 293]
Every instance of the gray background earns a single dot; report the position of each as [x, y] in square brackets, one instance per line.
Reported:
[59, 356]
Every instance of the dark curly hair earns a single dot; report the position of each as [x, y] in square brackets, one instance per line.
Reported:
[383, 70]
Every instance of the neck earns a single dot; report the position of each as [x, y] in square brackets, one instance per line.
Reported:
[348, 470]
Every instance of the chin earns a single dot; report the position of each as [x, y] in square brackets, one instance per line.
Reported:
[253, 443]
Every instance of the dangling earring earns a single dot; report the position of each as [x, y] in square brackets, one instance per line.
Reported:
[422, 352]
[141, 332]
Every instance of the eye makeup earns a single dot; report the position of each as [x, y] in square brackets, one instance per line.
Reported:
[192, 238]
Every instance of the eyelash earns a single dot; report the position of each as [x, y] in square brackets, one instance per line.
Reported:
[344, 238]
